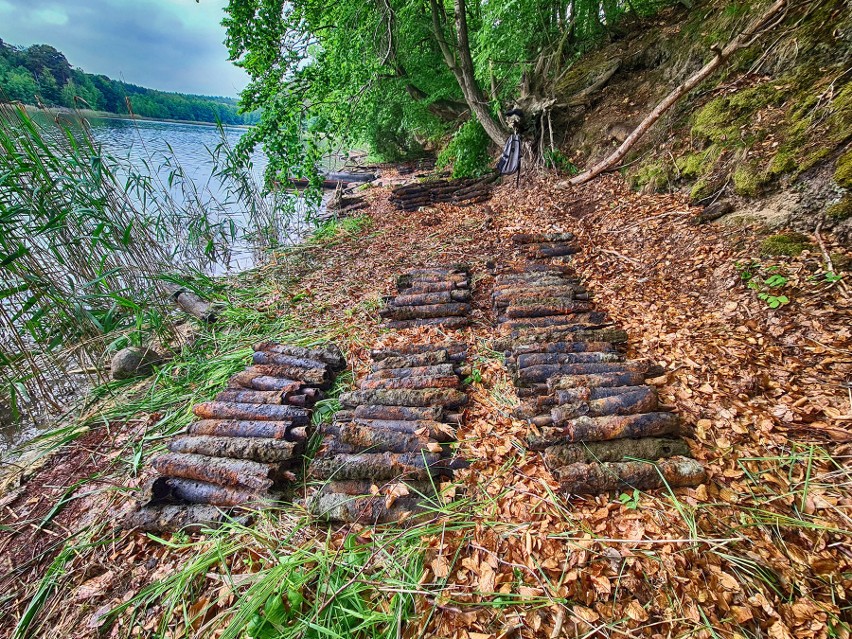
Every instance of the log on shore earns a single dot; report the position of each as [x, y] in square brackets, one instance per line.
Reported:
[449, 323]
[617, 450]
[171, 518]
[596, 429]
[413, 383]
[429, 311]
[167, 489]
[244, 428]
[446, 397]
[436, 370]
[252, 380]
[599, 380]
[253, 412]
[228, 472]
[673, 472]
[336, 507]
[399, 413]
[430, 358]
[330, 354]
[257, 449]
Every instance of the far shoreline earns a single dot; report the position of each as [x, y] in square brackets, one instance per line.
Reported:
[106, 115]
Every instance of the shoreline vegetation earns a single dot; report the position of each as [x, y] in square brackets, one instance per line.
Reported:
[106, 115]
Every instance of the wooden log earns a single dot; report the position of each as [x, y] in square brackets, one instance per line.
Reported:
[428, 358]
[538, 238]
[562, 347]
[541, 373]
[419, 466]
[436, 370]
[383, 440]
[315, 376]
[202, 492]
[429, 311]
[439, 431]
[514, 311]
[241, 396]
[425, 299]
[616, 450]
[672, 472]
[641, 400]
[266, 450]
[192, 304]
[335, 507]
[252, 380]
[446, 397]
[399, 413]
[259, 412]
[243, 428]
[455, 350]
[448, 323]
[228, 472]
[413, 383]
[526, 360]
[329, 354]
[595, 429]
[171, 518]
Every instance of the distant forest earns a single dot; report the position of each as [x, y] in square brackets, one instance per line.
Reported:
[42, 75]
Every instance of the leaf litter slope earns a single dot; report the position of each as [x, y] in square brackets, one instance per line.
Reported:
[761, 550]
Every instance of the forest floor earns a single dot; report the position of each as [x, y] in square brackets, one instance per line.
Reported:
[761, 550]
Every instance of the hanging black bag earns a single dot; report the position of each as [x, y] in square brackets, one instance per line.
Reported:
[510, 159]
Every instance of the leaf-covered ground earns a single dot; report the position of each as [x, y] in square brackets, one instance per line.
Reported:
[761, 550]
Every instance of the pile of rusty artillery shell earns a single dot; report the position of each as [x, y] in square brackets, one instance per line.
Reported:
[387, 450]
[589, 408]
[464, 192]
[430, 297]
[246, 443]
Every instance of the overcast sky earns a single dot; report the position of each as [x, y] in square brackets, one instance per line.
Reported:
[172, 45]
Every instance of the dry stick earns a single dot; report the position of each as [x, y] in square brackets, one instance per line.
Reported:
[763, 24]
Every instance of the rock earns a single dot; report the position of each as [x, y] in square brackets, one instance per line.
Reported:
[134, 362]
[714, 212]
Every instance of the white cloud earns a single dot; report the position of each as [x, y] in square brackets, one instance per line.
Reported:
[50, 15]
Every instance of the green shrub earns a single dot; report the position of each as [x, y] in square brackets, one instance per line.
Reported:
[467, 151]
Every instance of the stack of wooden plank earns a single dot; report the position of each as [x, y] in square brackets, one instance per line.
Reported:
[430, 297]
[600, 426]
[385, 452]
[246, 445]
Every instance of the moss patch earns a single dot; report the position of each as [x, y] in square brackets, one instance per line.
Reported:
[791, 244]
[727, 120]
[748, 180]
[840, 211]
[843, 171]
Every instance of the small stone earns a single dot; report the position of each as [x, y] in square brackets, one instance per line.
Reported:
[134, 362]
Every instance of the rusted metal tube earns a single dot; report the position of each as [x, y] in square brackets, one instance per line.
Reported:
[259, 412]
[439, 431]
[413, 383]
[538, 238]
[599, 380]
[329, 354]
[257, 449]
[642, 400]
[437, 370]
[449, 323]
[316, 376]
[409, 361]
[229, 472]
[202, 492]
[446, 397]
[429, 311]
[455, 350]
[547, 310]
[382, 440]
[418, 466]
[399, 413]
[592, 429]
[673, 472]
[336, 507]
[617, 450]
[438, 297]
[526, 360]
[242, 428]
[543, 372]
[252, 396]
[252, 380]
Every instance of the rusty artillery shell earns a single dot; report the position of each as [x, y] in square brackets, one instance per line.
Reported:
[407, 280]
[562, 347]
[543, 336]
[642, 400]
[259, 412]
[382, 440]
[242, 428]
[593, 429]
[543, 372]
[584, 394]
[438, 297]
[593, 319]
[549, 297]
[429, 311]
[365, 487]
[409, 361]
[433, 287]
[545, 310]
[449, 323]
[598, 380]
[228, 472]
[596, 478]
[414, 383]
[254, 448]
[294, 368]
[526, 360]
[446, 397]
[436, 370]
[252, 380]
[438, 431]
[336, 507]
[252, 396]
[329, 354]
[554, 249]
[616, 450]
[537, 238]
[202, 492]
[171, 518]
[376, 466]
[455, 350]
[399, 413]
